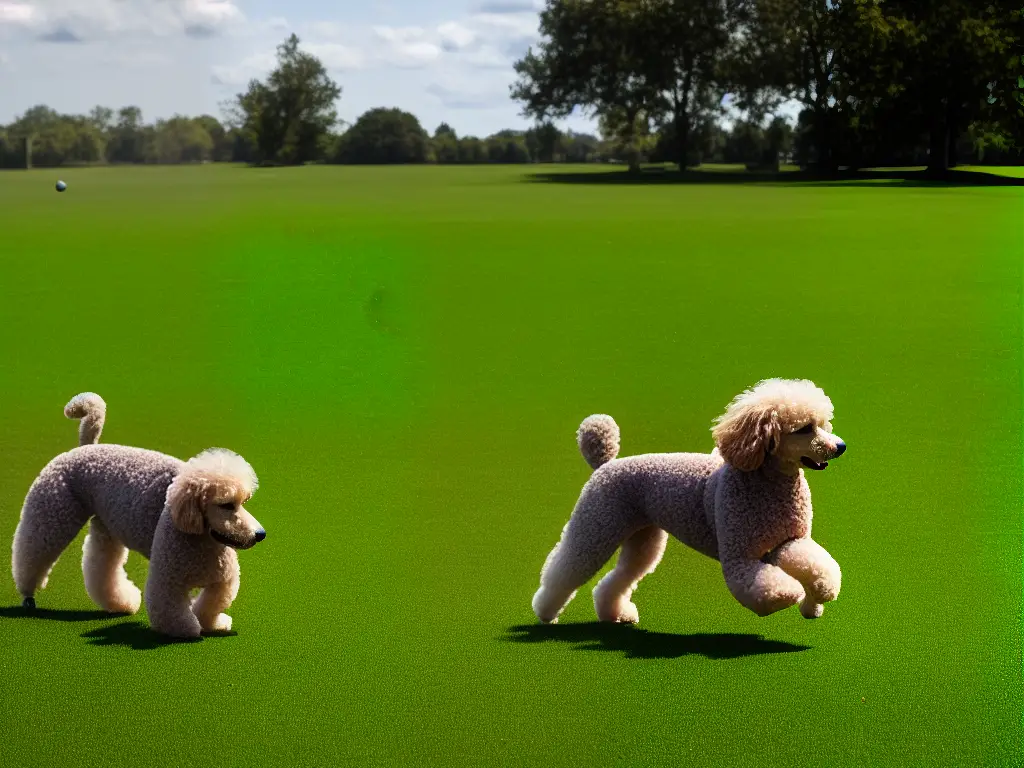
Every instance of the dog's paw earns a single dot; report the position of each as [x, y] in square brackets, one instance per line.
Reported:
[222, 623]
[621, 613]
[811, 610]
[128, 599]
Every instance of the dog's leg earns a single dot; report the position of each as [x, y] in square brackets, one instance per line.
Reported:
[103, 559]
[640, 555]
[169, 606]
[808, 562]
[209, 607]
[761, 587]
[50, 521]
[589, 539]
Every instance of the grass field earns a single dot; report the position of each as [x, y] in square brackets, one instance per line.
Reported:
[404, 355]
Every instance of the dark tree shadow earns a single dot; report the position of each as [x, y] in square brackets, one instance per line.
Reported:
[50, 614]
[636, 643]
[896, 178]
[139, 637]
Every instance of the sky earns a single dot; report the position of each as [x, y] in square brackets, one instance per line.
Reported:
[443, 60]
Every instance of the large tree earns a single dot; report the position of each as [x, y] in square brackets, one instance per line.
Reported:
[834, 57]
[688, 42]
[964, 65]
[631, 61]
[384, 137]
[875, 77]
[591, 57]
[288, 117]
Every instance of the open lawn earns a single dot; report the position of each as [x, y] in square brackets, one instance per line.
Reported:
[404, 355]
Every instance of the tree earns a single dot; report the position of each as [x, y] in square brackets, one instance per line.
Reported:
[218, 134]
[544, 142]
[102, 118]
[687, 44]
[963, 64]
[835, 57]
[383, 137]
[591, 56]
[127, 137]
[287, 118]
[633, 138]
[627, 58]
[472, 150]
[446, 144]
[181, 140]
[580, 147]
[507, 147]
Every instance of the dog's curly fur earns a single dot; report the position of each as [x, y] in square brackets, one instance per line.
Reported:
[746, 504]
[186, 518]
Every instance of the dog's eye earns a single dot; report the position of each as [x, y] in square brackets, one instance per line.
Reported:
[229, 505]
[805, 430]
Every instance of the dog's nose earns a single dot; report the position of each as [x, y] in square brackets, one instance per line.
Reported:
[840, 449]
[261, 534]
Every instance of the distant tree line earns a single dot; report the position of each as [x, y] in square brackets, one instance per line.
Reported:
[380, 136]
[655, 73]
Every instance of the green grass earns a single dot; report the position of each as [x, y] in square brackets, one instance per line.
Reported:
[404, 355]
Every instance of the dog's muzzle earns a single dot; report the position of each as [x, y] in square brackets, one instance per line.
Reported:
[227, 541]
[812, 464]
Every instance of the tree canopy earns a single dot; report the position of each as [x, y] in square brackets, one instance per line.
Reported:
[287, 117]
[384, 137]
[874, 77]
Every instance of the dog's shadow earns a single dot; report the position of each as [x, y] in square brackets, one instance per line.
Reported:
[51, 614]
[124, 634]
[139, 637]
[636, 643]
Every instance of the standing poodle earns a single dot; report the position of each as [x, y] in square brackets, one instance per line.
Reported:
[186, 518]
[746, 504]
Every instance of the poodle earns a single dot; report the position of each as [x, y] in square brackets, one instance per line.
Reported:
[186, 518]
[746, 504]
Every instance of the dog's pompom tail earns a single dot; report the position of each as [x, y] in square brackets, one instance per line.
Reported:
[90, 408]
[598, 439]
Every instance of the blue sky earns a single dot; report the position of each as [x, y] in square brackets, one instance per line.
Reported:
[444, 60]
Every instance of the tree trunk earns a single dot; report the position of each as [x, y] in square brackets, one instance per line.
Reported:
[826, 162]
[682, 126]
[938, 145]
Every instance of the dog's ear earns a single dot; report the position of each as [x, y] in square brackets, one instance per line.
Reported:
[747, 435]
[186, 498]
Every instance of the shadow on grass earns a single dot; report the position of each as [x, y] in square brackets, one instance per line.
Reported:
[139, 637]
[636, 643]
[126, 634]
[50, 614]
[782, 178]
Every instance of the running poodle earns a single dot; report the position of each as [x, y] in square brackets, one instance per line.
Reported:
[186, 518]
[746, 504]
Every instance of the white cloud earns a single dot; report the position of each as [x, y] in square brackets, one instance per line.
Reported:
[336, 56]
[16, 13]
[236, 75]
[406, 46]
[438, 64]
[461, 97]
[76, 21]
[517, 26]
[512, 6]
[207, 18]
